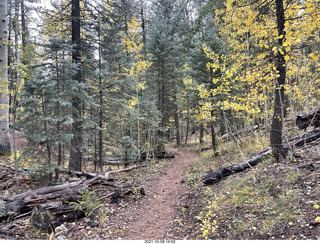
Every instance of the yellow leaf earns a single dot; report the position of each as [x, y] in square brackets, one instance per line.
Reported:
[287, 57]
[316, 206]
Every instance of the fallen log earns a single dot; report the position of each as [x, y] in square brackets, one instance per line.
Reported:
[44, 190]
[305, 120]
[112, 162]
[218, 175]
[307, 138]
[69, 191]
[14, 207]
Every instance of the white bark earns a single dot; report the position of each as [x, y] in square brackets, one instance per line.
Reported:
[4, 95]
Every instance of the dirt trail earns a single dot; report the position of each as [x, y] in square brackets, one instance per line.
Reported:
[157, 209]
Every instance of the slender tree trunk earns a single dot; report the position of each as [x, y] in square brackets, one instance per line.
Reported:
[75, 161]
[188, 126]
[23, 33]
[278, 114]
[201, 134]
[59, 124]
[5, 146]
[213, 134]
[101, 105]
[47, 140]
[176, 121]
[143, 26]
[16, 51]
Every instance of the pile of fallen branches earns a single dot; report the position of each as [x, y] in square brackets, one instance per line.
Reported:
[57, 198]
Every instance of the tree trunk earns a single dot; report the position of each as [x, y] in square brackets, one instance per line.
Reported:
[143, 26]
[101, 103]
[75, 160]
[278, 114]
[5, 146]
[201, 134]
[213, 134]
[23, 33]
[188, 126]
[176, 122]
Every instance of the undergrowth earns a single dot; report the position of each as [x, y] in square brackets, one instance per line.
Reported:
[250, 205]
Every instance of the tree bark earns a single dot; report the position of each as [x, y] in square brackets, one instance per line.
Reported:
[5, 146]
[23, 33]
[213, 134]
[201, 134]
[176, 122]
[75, 161]
[278, 114]
[101, 104]
[188, 126]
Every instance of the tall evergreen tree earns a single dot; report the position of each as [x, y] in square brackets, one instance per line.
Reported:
[164, 45]
[76, 142]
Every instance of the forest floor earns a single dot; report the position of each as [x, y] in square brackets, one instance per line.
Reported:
[272, 201]
[149, 217]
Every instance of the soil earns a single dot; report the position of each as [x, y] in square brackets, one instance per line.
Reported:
[158, 208]
[168, 209]
[149, 217]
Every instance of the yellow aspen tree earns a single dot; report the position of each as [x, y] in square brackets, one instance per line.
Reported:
[138, 65]
[271, 60]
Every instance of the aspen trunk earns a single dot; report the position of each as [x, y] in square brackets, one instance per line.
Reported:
[5, 146]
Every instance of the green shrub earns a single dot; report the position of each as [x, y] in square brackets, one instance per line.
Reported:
[87, 203]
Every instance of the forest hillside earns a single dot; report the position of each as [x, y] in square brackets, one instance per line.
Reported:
[159, 120]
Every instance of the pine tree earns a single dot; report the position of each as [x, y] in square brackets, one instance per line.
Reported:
[46, 103]
[164, 45]
[75, 160]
